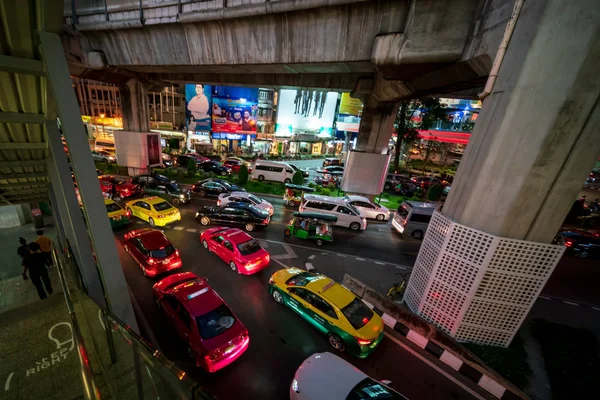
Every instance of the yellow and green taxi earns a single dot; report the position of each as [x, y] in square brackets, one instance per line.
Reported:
[117, 216]
[331, 308]
[154, 210]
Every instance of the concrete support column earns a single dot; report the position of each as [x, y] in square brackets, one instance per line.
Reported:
[376, 126]
[486, 258]
[134, 103]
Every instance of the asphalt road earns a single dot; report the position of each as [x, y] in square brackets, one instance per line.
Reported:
[279, 339]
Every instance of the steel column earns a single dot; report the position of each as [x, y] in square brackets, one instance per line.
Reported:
[100, 232]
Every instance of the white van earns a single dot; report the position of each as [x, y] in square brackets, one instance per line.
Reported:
[272, 171]
[347, 215]
[412, 218]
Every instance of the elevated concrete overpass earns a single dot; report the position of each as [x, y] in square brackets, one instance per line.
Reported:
[400, 48]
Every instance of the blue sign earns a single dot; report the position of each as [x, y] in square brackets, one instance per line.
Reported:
[197, 101]
[232, 136]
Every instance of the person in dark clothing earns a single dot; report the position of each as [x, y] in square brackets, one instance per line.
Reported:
[35, 263]
[114, 194]
[23, 249]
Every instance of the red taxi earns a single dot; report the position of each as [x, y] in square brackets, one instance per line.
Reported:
[153, 252]
[235, 164]
[238, 249]
[215, 336]
[124, 189]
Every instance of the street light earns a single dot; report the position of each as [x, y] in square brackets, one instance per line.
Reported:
[102, 124]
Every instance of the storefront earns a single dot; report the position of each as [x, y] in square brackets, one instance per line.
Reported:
[233, 143]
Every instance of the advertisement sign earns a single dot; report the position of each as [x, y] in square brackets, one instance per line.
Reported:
[234, 115]
[153, 149]
[197, 105]
[351, 106]
[306, 111]
[232, 136]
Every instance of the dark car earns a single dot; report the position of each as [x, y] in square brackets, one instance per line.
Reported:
[393, 180]
[242, 214]
[424, 182]
[141, 180]
[295, 168]
[331, 168]
[579, 244]
[326, 179]
[168, 191]
[332, 161]
[215, 187]
[182, 161]
[214, 166]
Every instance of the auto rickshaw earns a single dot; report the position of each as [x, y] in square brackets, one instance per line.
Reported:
[313, 226]
[294, 194]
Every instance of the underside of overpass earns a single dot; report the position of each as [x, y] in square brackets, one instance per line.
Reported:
[398, 48]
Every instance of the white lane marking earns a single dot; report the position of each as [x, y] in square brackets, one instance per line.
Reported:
[263, 244]
[178, 228]
[290, 253]
[397, 266]
[371, 306]
[341, 255]
[279, 262]
[596, 308]
[570, 303]
[379, 263]
[544, 297]
[435, 366]
[139, 222]
[311, 257]
[360, 259]
[191, 230]
[7, 384]
[309, 266]
[324, 254]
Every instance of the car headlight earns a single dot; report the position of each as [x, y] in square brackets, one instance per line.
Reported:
[182, 195]
[197, 214]
[295, 386]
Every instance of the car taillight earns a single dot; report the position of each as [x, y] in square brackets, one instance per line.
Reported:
[266, 221]
[218, 202]
[128, 213]
[151, 261]
[568, 243]
[363, 342]
[405, 222]
[177, 253]
[271, 280]
[193, 187]
[213, 355]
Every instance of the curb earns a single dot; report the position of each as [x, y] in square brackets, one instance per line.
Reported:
[480, 379]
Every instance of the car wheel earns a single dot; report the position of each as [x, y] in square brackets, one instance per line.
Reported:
[287, 180]
[583, 254]
[287, 232]
[205, 244]
[151, 221]
[205, 221]
[277, 296]
[261, 177]
[130, 211]
[290, 203]
[387, 186]
[202, 193]
[355, 226]
[249, 227]
[176, 202]
[336, 342]
[223, 173]
[234, 267]
[380, 217]
[418, 234]
[319, 242]
[104, 160]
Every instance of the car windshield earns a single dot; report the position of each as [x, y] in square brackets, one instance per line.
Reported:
[249, 247]
[357, 313]
[402, 211]
[294, 167]
[163, 253]
[369, 389]
[160, 177]
[302, 279]
[173, 188]
[162, 206]
[258, 210]
[112, 207]
[350, 206]
[215, 322]
[254, 199]
[117, 182]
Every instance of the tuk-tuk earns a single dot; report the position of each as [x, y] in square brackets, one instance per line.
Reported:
[294, 194]
[311, 225]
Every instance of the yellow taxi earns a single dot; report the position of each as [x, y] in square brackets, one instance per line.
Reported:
[154, 210]
[118, 217]
[349, 324]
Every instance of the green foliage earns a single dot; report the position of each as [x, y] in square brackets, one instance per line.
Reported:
[509, 362]
[326, 192]
[331, 186]
[174, 144]
[435, 192]
[243, 174]
[110, 168]
[191, 167]
[298, 178]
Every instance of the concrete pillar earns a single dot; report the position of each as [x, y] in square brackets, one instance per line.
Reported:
[486, 258]
[366, 167]
[134, 104]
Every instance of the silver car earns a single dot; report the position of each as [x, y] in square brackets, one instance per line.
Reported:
[104, 156]
[245, 197]
[369, 208]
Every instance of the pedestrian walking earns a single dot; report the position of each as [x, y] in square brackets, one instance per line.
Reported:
[45, 244]
[23, 249]
[35, 264]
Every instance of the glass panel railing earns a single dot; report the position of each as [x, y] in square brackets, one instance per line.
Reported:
[123, 365]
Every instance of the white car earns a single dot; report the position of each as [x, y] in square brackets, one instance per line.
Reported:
[103, 156]
[244, 197]
[369, 208]
[327, 376]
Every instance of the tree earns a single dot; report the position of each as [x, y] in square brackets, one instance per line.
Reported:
[298, 178]
[243, 174]
[435, 192]
[191, 167]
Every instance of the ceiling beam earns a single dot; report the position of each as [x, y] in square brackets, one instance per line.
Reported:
[21, 118]
[3, 199]
[21, 185]
[23, 146]
[29, 200]
[12, 193]
[21, 163]
[21, 65]
[25, 175]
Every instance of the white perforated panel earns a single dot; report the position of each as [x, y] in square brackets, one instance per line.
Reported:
[476, 286]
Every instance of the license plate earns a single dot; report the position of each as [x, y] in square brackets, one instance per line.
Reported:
[229, 349]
